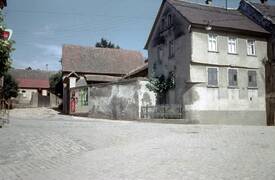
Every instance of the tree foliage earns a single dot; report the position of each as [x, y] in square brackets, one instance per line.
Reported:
[56, 85]
[106, 44]
[10, 88]
[5, 50]
[160, 84]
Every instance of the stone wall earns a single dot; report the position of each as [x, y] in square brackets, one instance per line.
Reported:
[120, 100]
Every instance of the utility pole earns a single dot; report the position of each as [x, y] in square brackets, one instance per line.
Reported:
[226, 6]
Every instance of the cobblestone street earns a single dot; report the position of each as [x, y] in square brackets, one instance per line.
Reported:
[41, 144]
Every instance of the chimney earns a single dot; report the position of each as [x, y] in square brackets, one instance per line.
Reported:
[209, 2]
[263, 2]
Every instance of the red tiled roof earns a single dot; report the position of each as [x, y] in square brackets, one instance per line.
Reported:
[33, 83]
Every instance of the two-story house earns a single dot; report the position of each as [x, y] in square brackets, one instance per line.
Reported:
[264, 15]
[217, 57]
[3, 3]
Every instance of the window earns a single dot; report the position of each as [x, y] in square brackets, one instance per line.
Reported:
[252, 79]
[232, 77]
[170, 20]
[171, 48]
[212, 42]
[251, 50]
[232, 45]
[162, 23]
[212, 77]
[160, 53]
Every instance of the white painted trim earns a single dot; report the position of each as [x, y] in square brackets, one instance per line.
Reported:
[236, 45]
[255, 52]
[213, 34]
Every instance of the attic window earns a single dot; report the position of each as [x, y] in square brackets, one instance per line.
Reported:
[169, 20]
[163, 23]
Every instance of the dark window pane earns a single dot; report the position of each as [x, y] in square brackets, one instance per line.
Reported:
[212, 76]
[252, 79]
[233, 77]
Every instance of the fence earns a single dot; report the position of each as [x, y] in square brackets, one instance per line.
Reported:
[162, 112]
[4, 112]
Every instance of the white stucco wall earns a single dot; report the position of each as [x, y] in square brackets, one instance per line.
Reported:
[121, 100]
[26, 94]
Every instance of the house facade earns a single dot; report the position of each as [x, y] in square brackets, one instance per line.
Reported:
[88, 66]
[264, 15]
[217, 58]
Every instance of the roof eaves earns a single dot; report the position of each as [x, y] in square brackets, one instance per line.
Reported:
[220, 28]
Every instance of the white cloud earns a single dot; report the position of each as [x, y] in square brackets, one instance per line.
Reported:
[49, 50]
[46, 30]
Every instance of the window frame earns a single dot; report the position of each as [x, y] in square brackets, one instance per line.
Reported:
[216, 42]
[171, 48]
[160, 53]
[228, 78]
[228, 45]
[247, 47]
[248, 85]
[211, 85]
[169, 20]
[163, 25]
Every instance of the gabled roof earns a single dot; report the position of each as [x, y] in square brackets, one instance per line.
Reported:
[99, 60]
[266, 10]
[202, 15]
[31, 78]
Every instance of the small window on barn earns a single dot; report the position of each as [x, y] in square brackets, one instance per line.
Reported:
[252, 79]
[232, 77]
[212, 77]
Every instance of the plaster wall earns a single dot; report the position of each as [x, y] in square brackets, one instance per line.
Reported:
[200, 53]
[26, 94]
[223, 104]
[179, 63]
[121, 100]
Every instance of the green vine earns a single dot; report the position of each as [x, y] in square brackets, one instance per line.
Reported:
[6, 47]
[160, 84]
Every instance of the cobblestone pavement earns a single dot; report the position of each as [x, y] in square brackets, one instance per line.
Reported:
[40, 144]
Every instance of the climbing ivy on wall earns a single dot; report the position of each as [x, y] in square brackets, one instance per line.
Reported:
[160, 84]
[6, 47]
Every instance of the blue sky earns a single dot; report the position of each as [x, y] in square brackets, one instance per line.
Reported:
[42, 27]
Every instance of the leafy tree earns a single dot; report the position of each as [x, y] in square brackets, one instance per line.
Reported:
[10, 88]
[56, 85]
[106, 44]
[5, 50]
